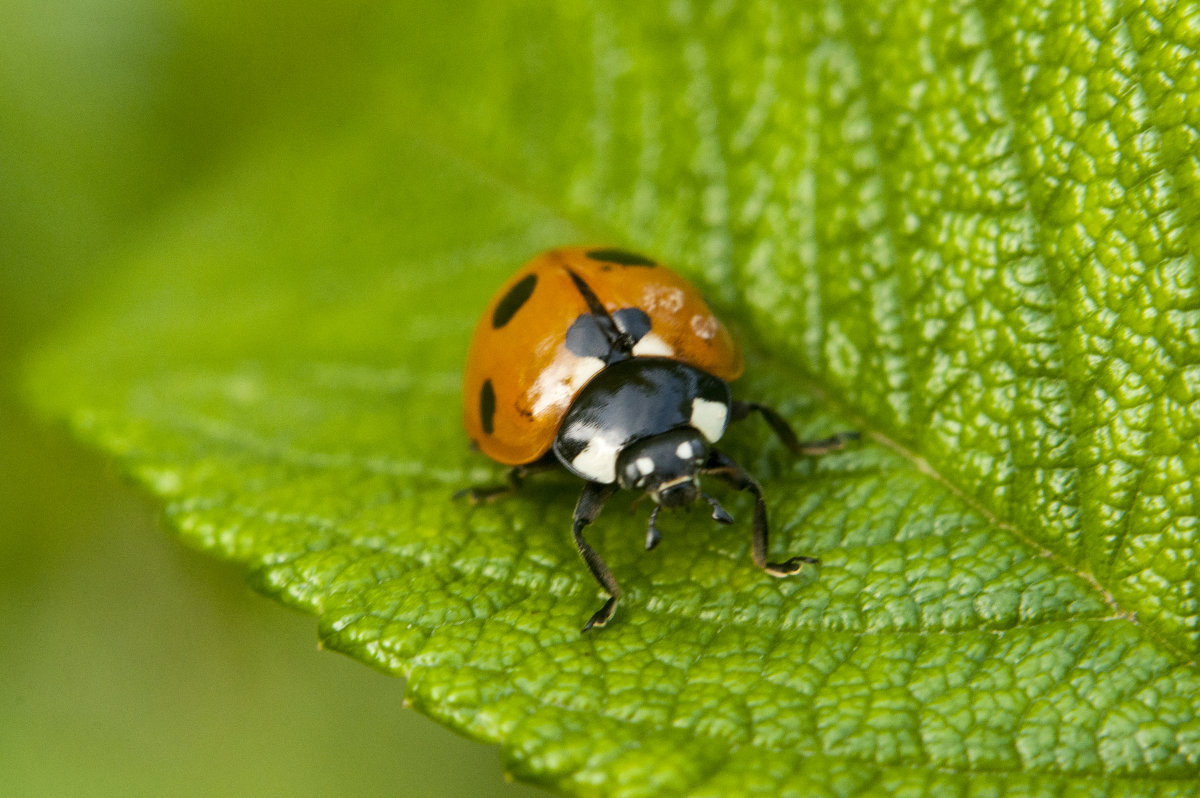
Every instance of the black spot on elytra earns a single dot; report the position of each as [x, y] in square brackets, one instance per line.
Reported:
[516, 297]
[487, 406]
[621, 256]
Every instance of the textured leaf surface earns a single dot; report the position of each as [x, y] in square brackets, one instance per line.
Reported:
[964, 227]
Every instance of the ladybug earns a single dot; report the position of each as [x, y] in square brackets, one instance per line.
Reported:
[610, 365]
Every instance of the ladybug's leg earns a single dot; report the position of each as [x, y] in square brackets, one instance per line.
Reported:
[516, 474]
[783, 430]
[591, 502]
[722, 466]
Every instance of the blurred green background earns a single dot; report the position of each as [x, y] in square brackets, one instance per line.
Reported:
[130, 665]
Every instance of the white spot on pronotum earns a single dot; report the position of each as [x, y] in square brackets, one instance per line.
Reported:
[709, 418]
[684, 451]
[645, 466]
[597, 461]
[652, 346]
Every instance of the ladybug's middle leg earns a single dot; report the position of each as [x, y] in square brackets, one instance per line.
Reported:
[516, 474]
[722, 466]
[591, 502]
[783, 430]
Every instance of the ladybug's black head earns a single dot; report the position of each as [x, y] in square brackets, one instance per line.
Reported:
[665, 466]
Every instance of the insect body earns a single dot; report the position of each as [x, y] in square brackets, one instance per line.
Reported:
[614, 367]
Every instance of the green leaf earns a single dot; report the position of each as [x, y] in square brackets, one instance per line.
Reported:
[967, 229]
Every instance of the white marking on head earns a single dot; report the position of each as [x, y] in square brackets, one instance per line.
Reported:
[652, 346]
[645, 466]
[709, 418]
[597, 461]
[684, 451]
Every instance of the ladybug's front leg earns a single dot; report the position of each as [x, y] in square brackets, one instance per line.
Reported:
[783, 430]
[722, 466]
[591, 502]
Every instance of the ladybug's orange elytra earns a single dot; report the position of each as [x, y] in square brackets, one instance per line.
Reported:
[521, 375]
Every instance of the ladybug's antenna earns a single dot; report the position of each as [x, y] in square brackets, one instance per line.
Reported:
[620, 341]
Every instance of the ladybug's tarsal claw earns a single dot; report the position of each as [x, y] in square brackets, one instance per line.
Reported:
[476, 496]
[602, 616]
[718, 512]
[831, 444]
[790, 567]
